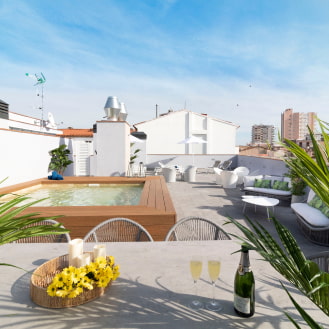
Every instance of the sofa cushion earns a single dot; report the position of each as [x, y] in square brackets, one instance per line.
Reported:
[267, 191]
[280, 185]
[317, 203]
[273, 178]
[311, 215]
[266, 183]
[250, 180]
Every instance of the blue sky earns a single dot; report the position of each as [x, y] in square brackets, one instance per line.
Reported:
[243, 61]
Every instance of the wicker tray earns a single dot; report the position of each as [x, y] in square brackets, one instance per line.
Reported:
[44, 275]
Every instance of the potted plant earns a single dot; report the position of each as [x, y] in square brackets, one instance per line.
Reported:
[59, 159]
[298, 185]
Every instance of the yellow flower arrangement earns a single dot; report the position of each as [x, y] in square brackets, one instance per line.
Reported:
[72, 281]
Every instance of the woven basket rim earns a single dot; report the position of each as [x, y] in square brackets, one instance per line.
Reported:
[43, 276]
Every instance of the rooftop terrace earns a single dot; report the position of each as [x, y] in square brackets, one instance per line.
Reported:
[206, 199]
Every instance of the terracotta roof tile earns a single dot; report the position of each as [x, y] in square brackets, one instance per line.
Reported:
[71, 132]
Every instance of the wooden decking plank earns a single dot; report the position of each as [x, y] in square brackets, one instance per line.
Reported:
[169, 206]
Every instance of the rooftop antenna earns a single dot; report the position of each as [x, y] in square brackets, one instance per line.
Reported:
[156, 110]
[39, 80]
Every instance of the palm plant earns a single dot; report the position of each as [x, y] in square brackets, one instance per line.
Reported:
[14, 224]
[287, 257]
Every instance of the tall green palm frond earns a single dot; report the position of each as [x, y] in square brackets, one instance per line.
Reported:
[14, 224]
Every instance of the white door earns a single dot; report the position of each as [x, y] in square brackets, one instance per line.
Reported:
[82, 160]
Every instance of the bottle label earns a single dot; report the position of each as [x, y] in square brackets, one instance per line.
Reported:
[242, 304]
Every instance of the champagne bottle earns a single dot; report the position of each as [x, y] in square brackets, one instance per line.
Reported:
[244, 286]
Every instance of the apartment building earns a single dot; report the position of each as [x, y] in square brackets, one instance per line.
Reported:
[294, 125]
[262, 134]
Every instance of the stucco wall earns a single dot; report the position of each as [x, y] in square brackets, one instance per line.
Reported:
[24, 156]
[164, 133]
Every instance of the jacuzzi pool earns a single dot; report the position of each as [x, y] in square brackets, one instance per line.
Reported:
[155, 209]
[58, 195]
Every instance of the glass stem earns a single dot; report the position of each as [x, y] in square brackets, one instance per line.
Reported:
[196, 289]
[213, 292]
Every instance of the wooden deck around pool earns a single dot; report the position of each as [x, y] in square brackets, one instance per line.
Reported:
[155, 211]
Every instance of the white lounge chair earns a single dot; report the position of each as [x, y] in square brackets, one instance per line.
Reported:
[225, 165]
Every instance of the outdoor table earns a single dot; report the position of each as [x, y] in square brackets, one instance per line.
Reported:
[261, 201]
[153, 290]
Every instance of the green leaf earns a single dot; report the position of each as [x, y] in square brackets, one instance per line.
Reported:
[308, 319]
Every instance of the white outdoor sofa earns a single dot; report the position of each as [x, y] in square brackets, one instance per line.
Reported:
[313, 223]
[250, 189]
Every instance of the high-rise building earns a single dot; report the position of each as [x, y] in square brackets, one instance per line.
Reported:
[262, 134]
[294, 125]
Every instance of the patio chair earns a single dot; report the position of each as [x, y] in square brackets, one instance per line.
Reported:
[190, 174]
[225, 165]
[241, 172]
[50, 238]
[118, 230]
[210, 170]
[322, 259]
[218, 177]
[169, 174]
[229, 179]
[158, 170]
[196, 228]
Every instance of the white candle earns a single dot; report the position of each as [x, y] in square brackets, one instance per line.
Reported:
[75, 250]
[99, 250]
[83, 260]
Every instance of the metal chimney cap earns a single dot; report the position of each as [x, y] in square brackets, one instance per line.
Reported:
[112, 103]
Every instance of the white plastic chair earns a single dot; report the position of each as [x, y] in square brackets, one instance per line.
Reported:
[229, 179]
[241, 172]
[169, 174]
[189, 174]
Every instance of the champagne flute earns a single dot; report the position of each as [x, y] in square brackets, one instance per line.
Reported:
[195, 269]
[213, 271]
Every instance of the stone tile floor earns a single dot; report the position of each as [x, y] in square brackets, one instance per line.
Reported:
[206, 199]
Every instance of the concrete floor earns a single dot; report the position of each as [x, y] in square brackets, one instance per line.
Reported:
[206, 199]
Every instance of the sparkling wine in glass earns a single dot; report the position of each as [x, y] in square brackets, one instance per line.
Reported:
[214, 270]
[195, 269]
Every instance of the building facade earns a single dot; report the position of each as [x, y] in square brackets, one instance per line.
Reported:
[262, 134]
[294, 125]
[165, 133]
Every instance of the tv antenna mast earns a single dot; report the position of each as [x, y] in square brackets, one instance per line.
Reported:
[40, 80]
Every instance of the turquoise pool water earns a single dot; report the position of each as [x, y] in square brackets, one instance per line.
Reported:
[85, 194]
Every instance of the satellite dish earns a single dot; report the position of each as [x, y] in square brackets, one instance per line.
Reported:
[51, 121]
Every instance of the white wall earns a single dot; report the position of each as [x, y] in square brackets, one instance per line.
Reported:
[24, 156]
[164, 133]
[111, 148]
[19, 121]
